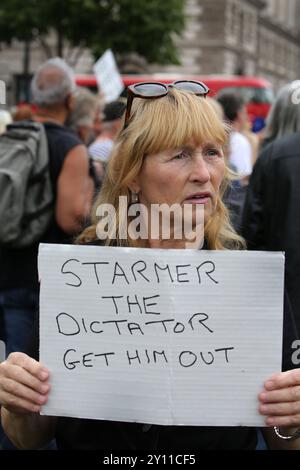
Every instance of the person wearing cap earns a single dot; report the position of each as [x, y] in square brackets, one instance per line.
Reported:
[101, 148]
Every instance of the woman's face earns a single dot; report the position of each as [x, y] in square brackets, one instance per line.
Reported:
[187, 175]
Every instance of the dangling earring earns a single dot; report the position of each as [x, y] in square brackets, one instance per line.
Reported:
[134, 197]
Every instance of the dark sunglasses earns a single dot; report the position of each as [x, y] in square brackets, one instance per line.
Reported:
[152, 90]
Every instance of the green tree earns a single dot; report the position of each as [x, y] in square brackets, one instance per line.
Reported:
[147, 27]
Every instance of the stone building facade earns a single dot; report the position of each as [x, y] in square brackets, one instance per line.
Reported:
[249, 37]
[12, 66]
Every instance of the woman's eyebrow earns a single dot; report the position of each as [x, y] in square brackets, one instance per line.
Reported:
[211, 144]
[188, 148]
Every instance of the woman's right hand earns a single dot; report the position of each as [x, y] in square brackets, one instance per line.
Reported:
[24, 386]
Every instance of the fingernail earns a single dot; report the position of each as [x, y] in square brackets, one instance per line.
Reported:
[42, 399]
[269, 385]
[262, 396]
[36, 409]
[270, 422]
[45, 388]
[43, 375]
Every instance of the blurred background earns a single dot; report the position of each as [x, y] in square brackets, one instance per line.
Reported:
[239, 37]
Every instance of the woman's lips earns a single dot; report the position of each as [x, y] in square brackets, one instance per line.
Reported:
[197, 200]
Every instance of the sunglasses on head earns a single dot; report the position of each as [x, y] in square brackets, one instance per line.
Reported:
[154, 90]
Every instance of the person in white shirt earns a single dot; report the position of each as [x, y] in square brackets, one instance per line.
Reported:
[101, 148]
[240, 152]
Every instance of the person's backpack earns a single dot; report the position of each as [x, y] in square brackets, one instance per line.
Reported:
[26, 195]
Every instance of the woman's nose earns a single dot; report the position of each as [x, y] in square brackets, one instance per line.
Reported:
[199, 171]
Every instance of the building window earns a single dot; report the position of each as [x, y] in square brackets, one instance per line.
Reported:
[249, 29]
[232, 21]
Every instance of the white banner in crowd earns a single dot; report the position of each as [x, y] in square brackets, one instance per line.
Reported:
[159, 336]
[108, 77]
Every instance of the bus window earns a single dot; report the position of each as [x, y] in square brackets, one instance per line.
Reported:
[258, 101]
[251, 94]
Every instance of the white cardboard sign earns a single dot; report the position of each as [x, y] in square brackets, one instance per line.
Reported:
[175, 337]
[108, 77]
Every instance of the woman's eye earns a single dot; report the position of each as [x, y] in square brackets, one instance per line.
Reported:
[213, 152]
[180, 156]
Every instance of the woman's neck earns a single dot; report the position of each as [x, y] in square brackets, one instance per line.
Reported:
[176, 244]
[166, 244]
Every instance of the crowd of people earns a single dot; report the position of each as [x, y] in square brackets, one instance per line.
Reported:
[174, 142]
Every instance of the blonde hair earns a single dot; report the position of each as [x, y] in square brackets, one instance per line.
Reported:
[156, 125]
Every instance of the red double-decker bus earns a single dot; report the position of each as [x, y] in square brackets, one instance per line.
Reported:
[257, 92]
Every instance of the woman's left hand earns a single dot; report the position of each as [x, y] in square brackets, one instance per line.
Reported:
[280, 399]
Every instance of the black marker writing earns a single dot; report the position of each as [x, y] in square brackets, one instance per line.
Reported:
[95, 264]
[147, 305]
[140, 271]
[115, 322]
[160, 268]
[157, 356]
[134, 326]
[189, 358]
[202, 321]
[160, 322]
[207, 265]
[118, 271]
[67, 325]
[225, 349]
[79, 281]
[86, 360]
[179, 275]
[113, 297]
[142, 304]
[136, 302]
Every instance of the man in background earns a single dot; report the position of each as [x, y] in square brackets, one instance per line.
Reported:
[240, 151]
[52, 89]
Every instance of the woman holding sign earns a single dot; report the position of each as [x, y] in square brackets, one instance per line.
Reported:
[170, 152]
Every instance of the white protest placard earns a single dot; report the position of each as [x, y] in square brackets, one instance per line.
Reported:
[179, 337]
[108, 77]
